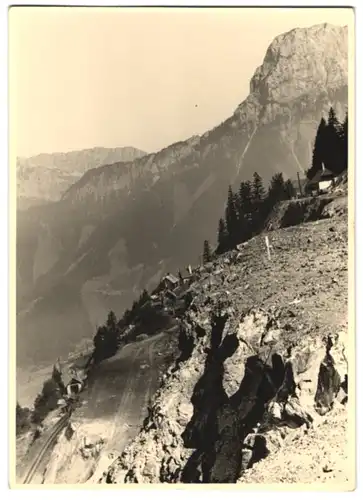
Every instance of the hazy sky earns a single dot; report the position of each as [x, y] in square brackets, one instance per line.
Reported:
[85, 77]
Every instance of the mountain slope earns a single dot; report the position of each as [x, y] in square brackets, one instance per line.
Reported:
[260, 371]
[120, 227]
[46, 177]
[262, 363]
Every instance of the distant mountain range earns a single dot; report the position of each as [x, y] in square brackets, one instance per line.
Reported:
[46, 177]
[120, 227]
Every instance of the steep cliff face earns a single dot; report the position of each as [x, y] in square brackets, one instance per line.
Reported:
[119, 227]
[288, 70]
[263, 367]
[222, 412]
[303, 73]
[46, 177]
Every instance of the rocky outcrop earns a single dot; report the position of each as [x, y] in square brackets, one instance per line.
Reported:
[244, 387]
[294, 212]
[74, 457]
[284, 79]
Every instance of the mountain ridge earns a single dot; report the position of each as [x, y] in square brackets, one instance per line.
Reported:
[132, 222]
[259, 108]
[45, 176]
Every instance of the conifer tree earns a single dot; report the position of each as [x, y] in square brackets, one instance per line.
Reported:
[332, 151]
[144, 297]
[222, 236]
[46, 401]
[245, 210]
[344, 142]
[259, 205]
[333, 120]
[111, 322]
[289, 189]
[258, 191]
[127, 316]
[57, 377]
[22, 416]
[319, 150]
[100, 343]
[106, 340]
[113, 330]
[207, 254]
[245, 197]
[276, 191]
[231, 218]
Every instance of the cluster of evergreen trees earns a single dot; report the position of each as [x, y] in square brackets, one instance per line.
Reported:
[107, 338]
[331, 146]
[110, 336]
[207, 252]
[47, 400]
[23, 419]
[248, 209]
[130, 314]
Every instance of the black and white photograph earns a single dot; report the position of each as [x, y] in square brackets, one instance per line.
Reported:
[184, 279]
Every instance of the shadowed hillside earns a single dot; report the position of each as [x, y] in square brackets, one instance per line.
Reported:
[120, 227]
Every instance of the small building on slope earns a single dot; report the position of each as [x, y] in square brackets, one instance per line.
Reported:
[322, 181]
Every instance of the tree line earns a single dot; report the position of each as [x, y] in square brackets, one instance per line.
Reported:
[331, 146]
[145, 317]
[247, 210]
[110, 336]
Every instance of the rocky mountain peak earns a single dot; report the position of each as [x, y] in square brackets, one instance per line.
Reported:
[299, 57]
[304, 72]
[302, 67]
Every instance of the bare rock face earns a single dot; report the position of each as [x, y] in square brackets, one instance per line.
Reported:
[304, 72]
[233, 401]
[332, 375]
[288, 70]
[74, 457]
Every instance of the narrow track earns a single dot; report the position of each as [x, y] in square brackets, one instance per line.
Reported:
[51, 438]
[125, 397]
